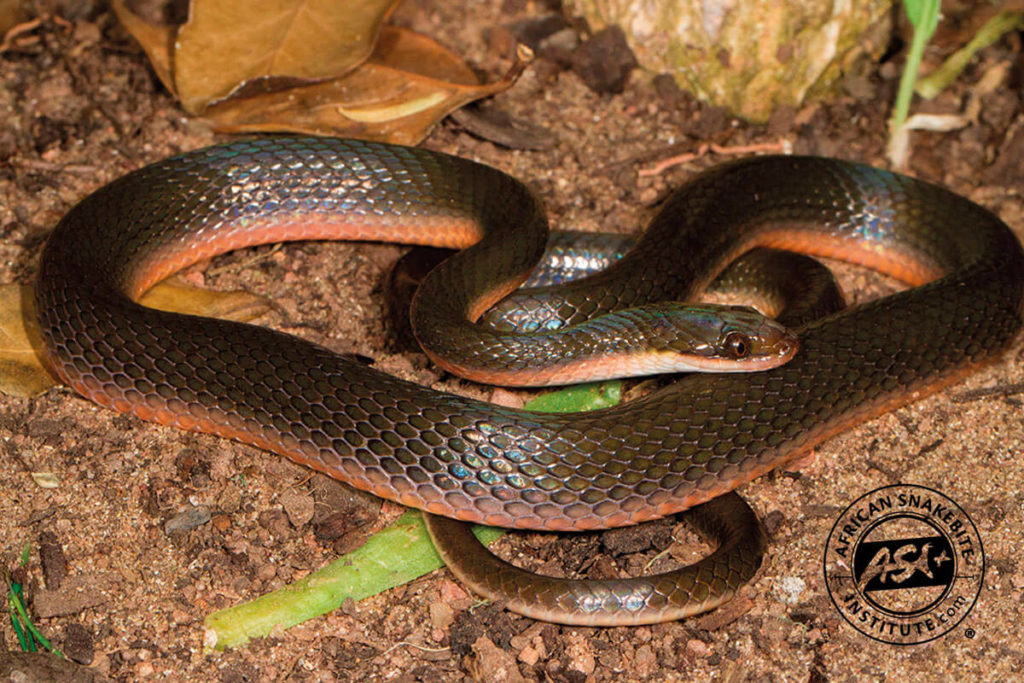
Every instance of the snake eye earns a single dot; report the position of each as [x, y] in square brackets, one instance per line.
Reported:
[737, 345]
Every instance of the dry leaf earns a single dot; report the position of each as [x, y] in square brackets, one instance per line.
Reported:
[226, 43]
[22, 370]
[409, 84]
[309, 66]
[45, 480]
[407, 50]
[157, 40]
[11, 14]
[176, 296]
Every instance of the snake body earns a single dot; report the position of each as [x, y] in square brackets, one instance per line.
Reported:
[461, 458]
[793, 288]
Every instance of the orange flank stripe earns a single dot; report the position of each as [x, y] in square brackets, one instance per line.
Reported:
[449, 232]
[912, 269]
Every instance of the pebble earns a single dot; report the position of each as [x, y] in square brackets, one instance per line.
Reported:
[790, 588]
[187, 520]
[298, 506]
[605, 61]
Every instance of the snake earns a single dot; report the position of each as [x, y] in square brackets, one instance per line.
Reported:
[678, 447]
[795, 289]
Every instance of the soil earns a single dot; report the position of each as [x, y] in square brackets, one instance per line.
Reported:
[127, 595]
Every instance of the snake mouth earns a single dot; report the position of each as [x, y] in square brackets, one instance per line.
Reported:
[779, 344]
[773, 346]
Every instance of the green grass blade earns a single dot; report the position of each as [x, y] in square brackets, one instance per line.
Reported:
[28, 634]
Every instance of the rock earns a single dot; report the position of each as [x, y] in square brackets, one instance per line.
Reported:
[78, 644]
[747, 55]
[37, 666]
[605, 61]
[187, 520]
[494, 664]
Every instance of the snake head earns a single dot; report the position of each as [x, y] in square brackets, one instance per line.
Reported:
[715, 338]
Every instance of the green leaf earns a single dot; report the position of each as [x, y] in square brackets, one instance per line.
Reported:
[994, 29]
[391, 557]
[579, 398]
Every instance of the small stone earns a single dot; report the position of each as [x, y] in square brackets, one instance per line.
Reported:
[567, 39]
[539, 646]
[528, 655]
[645, 662]
[581, 656]
[78, 644]
[494, 664]
[790, 588]
[452, 593]
[605, 61]
[441, 615]
[649, 195]
[697, 646]
[275, 522]
[187, 520]
[266, 572]
[298, 506]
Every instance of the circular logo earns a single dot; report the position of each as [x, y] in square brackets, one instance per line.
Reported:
[904, 564]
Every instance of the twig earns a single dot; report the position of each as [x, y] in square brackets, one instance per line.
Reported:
[40, 165]
[780, 146]
[18, 30]
[1001, 390]
[25, 27]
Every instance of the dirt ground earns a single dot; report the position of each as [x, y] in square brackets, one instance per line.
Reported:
[81, 108]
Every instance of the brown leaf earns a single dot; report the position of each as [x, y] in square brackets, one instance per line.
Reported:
[157, 40]
[408, 84]
[23, 372]
[226, 43]
[406, 50]
[11, 14]
[176, 296]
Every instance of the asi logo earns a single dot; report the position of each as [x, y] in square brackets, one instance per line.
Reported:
[904, 564]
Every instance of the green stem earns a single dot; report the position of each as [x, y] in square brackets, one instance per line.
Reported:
[906, 88]
[994, 29]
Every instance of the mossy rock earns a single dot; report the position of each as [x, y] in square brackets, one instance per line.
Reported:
[748, 55]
